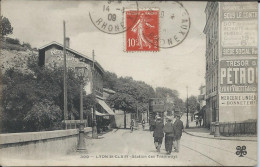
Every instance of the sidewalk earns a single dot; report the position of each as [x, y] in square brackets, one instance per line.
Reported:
[205, 133]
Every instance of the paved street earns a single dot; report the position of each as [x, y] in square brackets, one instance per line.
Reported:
[123, 147]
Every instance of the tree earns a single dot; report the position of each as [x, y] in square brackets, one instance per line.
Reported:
[109, 80]
[43, 116]
[193, 104]
[33, 99]
[179, 104]
[122, 101]
[162, 92]
[6, 27]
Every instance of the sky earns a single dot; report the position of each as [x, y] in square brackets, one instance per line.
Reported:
[41, 22]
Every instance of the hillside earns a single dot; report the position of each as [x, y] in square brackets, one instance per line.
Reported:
[10, 58]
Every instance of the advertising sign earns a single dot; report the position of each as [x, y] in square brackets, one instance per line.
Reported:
[238, 76]
[238, 23]
[157, 105]
[238, 82]
[236, 99]
[55, 57]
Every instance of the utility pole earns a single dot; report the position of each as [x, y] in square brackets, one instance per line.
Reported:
[148, 113]
[187, 122]
[65, 75]
[137, 114]
[94, 123]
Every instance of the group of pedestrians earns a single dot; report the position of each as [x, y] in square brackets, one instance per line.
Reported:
[173, 133]
[133, 123]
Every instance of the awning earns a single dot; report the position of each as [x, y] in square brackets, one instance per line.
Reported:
[100, 114]
[105, 107]
[196, 113]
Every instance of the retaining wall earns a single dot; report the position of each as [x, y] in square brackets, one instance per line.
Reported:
[34, 145]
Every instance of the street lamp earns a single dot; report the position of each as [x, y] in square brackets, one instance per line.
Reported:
[94, 121]
[187, 122]
[81, 73]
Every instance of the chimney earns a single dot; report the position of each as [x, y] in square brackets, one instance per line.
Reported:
[67, 42]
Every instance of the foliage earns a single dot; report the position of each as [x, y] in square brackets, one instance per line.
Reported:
[6, 27]
[27, 45]
[42, 116]
[122, 101]
[109, 80]
[179, 104]
[193, 104]
[33, 101]
[9, 46]
[162, 92]
[130, 94]
[12, 41]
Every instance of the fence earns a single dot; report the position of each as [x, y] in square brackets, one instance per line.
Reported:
[235, 128]
[73, 124]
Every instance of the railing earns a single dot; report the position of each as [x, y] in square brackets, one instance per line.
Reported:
[235, 128]
[72, 124]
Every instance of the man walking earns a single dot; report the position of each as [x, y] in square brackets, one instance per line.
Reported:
[158, 133]
[178, 128]
[200, 119]
[132, 125]
[143, 124]
[169, 135]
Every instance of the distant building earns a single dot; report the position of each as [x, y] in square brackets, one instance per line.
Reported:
[51, 55]
[231, 61]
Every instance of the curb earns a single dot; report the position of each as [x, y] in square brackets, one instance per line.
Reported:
[219, 138]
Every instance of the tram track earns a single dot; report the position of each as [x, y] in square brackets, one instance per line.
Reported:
[221, 149]
[202, 154]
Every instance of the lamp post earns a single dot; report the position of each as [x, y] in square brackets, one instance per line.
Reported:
[94, 122]
[81, 73]
[65, 76]
[217, 132]
[187, 122]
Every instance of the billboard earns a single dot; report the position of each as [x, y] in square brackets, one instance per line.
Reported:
[238, 24]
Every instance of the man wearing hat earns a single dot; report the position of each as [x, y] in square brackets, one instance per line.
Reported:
[178, 128]
[169, 135]
[158, 133]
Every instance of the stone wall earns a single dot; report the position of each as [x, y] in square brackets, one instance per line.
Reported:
[34, 145]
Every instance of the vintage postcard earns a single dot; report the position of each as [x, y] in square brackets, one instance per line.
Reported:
[128, 83]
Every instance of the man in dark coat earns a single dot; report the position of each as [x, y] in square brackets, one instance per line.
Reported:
[169, 135]
[178, 128]
[158, 134]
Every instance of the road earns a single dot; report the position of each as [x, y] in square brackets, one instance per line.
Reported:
[137, 148]
[121, 147]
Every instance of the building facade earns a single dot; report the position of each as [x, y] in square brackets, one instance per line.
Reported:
[231, 61]
[212, 31]
[51, 56]
[202, 102]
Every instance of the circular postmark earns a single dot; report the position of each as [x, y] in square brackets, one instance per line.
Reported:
[174, 22]
[109, 16]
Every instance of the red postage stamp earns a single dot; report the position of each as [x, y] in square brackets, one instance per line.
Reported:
[143, 34]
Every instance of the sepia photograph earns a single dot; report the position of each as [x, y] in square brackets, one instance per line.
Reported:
[128, 83]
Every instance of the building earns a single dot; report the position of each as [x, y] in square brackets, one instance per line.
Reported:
[231, 61]
[51, 55]
[202, 102]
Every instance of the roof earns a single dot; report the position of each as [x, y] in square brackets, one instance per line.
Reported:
[109, 90]
[71, 50]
